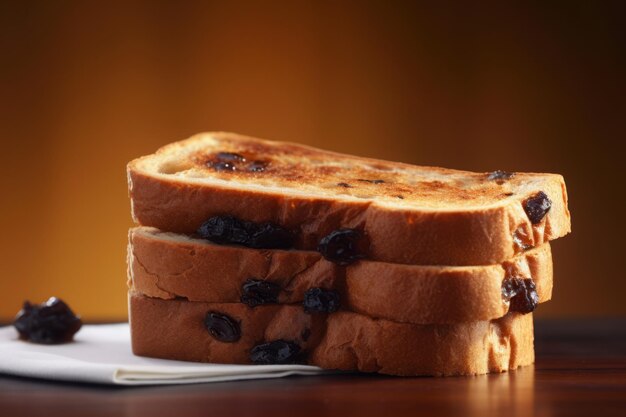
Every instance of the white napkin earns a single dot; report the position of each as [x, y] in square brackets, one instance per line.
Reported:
[101, 354]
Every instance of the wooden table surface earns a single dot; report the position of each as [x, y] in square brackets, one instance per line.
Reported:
[580, 371]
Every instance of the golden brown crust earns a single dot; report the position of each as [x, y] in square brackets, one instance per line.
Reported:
[447, 217]
[167, 266]
[174, 329]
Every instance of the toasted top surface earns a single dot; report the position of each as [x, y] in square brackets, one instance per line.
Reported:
[231, 160]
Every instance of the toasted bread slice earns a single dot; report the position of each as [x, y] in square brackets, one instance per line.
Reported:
[409, 214]
[176, 329]
[167, 265]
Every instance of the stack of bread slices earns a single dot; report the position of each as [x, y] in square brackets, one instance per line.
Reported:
[257, 252]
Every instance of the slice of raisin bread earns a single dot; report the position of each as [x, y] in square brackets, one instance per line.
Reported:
[237, 334]
[167, 265]
[400, 213]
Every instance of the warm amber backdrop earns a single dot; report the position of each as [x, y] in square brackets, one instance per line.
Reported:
[86, 86]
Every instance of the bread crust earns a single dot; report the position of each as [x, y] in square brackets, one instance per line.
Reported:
[481, 234]
[174, 329]
[168, 266]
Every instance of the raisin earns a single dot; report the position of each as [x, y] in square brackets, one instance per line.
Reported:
[510, 287]
[258, 166]
[521, 293]
[228, 229]
[222, 327]
[257, 292]
[230, 156]
[275, 352]
[225, 161]
[342, 246]
[344, 185]
[320, 300]
[51, 322]
[537, 206]
[224, 229]
[500, 176]
[221, 166]
[401, 197]
[269, 236]
[371, 181]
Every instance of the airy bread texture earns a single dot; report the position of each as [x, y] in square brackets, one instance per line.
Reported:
[168, 266]
[174, 329]
[411, 214]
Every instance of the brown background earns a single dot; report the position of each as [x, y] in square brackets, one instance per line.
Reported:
[87, 86]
